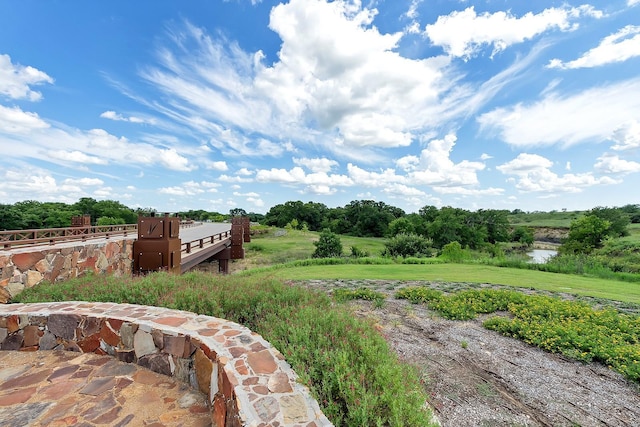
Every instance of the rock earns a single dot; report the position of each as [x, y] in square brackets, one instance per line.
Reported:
[143, 344]
[63, 325]
[24, 261]
[33, 278]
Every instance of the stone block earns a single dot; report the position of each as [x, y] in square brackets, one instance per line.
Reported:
[158, 362]
[42, 266]
[108, 335]
[24, 261]
[126, 334]
[13, 341]
[3, 334]
[203, 367]
[33, 278]
[31, 336]
[143, 344]
[294, 409]
[5, 296]
[174, 345]
[63, 325]
[262, 362]
[48, 341]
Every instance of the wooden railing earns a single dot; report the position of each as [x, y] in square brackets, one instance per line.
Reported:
[186, 247]
[41, 236]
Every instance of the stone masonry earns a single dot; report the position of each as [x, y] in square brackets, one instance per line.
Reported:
[247, 381]
[26, 267]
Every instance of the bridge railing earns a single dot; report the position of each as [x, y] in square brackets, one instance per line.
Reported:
[41, 236]
[187, 247]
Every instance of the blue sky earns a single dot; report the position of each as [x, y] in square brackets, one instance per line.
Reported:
[213, 105]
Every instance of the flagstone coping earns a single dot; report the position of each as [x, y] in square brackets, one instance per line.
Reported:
[247, 381]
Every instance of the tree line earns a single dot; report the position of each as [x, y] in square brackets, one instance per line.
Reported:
[31, 214]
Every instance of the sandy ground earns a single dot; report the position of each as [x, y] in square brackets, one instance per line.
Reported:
[476, 377]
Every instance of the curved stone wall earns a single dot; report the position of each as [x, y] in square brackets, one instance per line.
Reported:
[246, 379]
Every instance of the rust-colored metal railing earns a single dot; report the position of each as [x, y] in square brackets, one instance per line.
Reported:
[187, 247]
[50, 236]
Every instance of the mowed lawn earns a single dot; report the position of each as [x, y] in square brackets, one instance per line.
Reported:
[579, 285]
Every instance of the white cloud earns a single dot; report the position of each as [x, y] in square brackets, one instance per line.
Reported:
[89, 182]
[567, 120]
[617, 47]
[374, 179]
[244, 172]
[219, 165]
[533, 175]
[627, 136]
[297, 176]
[612, 164]
[14, 120]
[632, 2]
[485, 156]
[435, 168]
[227, 178]
[463, 33]
[39, 184]
[76, 157]
[403, 191]
[316, 165]
[112, 115]
[15, 80]
[191, 188]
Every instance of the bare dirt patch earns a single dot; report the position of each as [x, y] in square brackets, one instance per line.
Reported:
[476, 377]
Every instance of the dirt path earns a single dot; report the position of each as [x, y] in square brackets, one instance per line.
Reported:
[476, 377]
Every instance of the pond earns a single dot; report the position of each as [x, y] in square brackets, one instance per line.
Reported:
[540, 256]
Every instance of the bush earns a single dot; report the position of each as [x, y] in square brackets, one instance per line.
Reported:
[408, 245]
[356, 252]
[328, 246]
[453, 252]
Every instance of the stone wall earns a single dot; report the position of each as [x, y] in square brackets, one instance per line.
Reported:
[24, 268]
[245, 378]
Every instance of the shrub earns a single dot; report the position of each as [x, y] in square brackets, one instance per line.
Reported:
[408, 245]
[453, 252]
[328, 246]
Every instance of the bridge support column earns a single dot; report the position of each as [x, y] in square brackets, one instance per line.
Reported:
[158, 245]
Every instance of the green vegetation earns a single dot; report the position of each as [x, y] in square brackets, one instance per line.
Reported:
[328, 245]
[571, 328]
[346, 363]
[437, 270]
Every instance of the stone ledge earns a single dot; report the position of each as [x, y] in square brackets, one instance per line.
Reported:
[247, 381]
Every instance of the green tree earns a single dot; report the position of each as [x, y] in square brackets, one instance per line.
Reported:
[585, 234]
[522, 235]
[109, 220]
[407, 245]
[618, 220]
[401, 225]
[328, 246]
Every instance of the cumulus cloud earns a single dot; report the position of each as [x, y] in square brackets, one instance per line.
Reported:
[618, 47]
[463, 33]
[220, 165]
[191, 188]
[14, 120]
[16, 80]
[316, 165]
[39, 184]
[533, 174]
[435, 168]
[567, 120]
[613, 164]
[627, 136]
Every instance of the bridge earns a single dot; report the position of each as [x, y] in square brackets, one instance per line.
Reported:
[155, 243]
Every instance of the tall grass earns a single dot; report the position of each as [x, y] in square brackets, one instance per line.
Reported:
[346, 363]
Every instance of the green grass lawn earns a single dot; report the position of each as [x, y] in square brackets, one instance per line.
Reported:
[278, 246]
[579, 285]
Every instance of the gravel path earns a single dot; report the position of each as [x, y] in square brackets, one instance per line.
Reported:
[476, 377]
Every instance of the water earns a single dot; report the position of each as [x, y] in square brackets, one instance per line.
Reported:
[540, 256]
